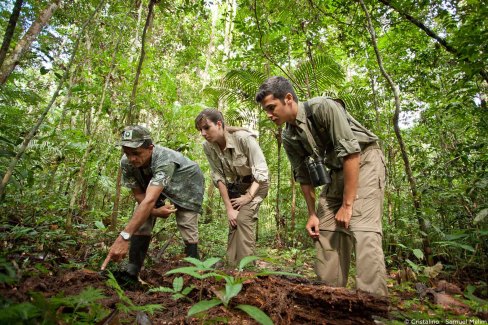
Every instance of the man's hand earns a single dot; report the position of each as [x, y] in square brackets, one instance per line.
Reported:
[164, 211]
[117, 251]
[237, 203]
[343, 216]
[313, 226]
[232, 215]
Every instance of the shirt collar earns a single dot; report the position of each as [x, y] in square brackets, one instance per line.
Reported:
[301, 118]
[229, 142]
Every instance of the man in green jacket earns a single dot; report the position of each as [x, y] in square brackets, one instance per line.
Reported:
[350, 205]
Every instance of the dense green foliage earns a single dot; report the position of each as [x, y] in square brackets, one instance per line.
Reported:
[202, 54]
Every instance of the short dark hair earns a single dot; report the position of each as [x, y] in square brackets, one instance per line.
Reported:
[276, 86]
[210, 114]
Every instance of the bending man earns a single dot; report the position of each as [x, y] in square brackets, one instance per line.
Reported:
[350, 206]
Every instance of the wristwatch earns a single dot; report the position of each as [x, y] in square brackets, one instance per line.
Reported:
[125, 235]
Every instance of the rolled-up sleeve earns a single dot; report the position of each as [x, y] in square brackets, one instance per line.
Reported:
[217, 174]
[162, 175]
[256, 159]
[334, 117]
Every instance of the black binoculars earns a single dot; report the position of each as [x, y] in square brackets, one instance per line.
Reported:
[318, 175]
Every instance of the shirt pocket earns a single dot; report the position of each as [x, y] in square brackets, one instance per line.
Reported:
[241, 165]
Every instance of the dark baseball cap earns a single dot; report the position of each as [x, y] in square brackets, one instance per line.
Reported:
[133, 136]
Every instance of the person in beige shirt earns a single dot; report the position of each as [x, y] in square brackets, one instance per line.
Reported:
[240, 172]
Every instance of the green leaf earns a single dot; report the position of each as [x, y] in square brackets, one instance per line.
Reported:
[269, 272]
[231, 290]
[418, 254]
[23, 311]
[203, 306]
[194, 261]
[210, 262]
[178, 284]
[99, 225]
[187, 290]
[246, 260]
[481, 216]
[190, 270]
[414, 266]
[257, 314]
[162, 289]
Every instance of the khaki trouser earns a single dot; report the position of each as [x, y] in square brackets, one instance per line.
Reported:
[334, 247]
[186, 220]
[242, 239]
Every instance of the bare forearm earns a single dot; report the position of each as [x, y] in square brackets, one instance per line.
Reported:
[351, 177]
[309, 195]
[140, 216]
[225, 195]
[253, 189]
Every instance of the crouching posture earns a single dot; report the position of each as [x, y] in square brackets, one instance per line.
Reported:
[154, 174]
[240, 173]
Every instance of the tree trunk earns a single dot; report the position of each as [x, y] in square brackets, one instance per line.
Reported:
[278, 218]
[115, 210]
[293, 209]
[411, 179]
[9, 32]
[433, 35]
[230, 12]
[132, 115]
[209, 207]
[41, 118]
[210, 49]
[80, 183]
[135, 42]
[24, 44]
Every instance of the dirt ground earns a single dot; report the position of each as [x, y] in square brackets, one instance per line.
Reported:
[286, 300]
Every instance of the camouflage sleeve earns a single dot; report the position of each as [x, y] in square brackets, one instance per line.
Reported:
[217, 173]
[333, 116]
[128, 178]
[297, 156]
[162, 174]
[256, 158]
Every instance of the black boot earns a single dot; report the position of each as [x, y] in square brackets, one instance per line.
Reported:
[137, 253]
[191, 250]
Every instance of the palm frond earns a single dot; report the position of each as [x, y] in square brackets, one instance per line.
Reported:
[317, 75]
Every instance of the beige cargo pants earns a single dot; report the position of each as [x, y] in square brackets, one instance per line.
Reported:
[186, 220]
[335, 245]
[242, 239]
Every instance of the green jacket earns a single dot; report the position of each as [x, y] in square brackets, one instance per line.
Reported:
[338, 135]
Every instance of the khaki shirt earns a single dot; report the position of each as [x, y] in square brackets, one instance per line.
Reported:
[242, 156]
[338, 135]
[182, 180]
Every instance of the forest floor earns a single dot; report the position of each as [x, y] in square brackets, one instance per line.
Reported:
[62, 297]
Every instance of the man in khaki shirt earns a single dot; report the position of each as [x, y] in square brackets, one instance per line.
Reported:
[240, 173]
[350, 206]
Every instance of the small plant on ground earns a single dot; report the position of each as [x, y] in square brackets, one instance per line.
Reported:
[177, 290]
[233, 286]
[126, 305]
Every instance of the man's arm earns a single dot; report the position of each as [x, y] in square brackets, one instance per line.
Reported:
[161, 212]
[313, 221]
[120, 247]
[144, 208]
[351, 176]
